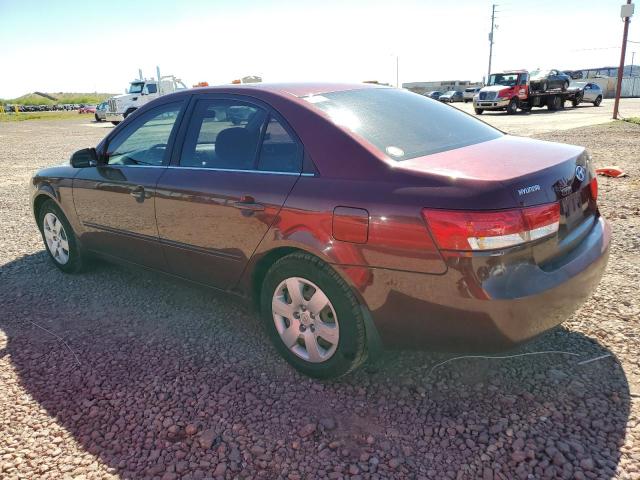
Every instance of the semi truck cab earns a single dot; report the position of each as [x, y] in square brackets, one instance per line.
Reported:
[504, 91]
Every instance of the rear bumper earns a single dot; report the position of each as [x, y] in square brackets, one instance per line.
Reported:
[113, 117]
[480, 304]
[491, 104]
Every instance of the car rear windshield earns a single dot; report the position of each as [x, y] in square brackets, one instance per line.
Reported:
[401, 124]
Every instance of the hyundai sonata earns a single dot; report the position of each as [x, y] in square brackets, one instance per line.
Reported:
[354, 216]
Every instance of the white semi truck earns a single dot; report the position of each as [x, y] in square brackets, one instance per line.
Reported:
[141, 91]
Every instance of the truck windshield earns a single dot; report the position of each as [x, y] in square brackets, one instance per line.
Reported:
[401, 124]
[507, 79]
[136, 88]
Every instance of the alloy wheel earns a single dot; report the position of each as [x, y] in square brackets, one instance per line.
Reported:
[56, 238]
[305, 319]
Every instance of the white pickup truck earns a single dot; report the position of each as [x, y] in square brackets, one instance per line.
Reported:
[141, 91]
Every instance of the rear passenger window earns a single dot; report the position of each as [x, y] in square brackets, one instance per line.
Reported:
[223, 134]
[279, 152]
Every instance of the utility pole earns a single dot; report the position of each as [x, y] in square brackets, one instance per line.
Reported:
[633, 58]
[626, 11]
[493, 24]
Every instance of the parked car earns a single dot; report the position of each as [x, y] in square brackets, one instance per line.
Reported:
[469, 93]
[451, 96]
[353, 216]
[101, 112]
[544, 80]
[435, 95]
[587, 92]
[87, 109]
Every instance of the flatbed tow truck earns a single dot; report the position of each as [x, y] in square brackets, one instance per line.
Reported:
[511, 91]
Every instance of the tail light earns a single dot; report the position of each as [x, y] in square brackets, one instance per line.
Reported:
[593, 186]
[490, 230]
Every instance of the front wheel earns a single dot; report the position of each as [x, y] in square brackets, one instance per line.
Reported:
[479, 111]
[59, 240]
[512, 108]
[598, 101]
[312, 317]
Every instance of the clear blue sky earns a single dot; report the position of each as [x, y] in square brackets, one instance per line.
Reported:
[84, 46]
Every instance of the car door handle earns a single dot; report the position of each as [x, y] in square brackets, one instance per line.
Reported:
[248, 203]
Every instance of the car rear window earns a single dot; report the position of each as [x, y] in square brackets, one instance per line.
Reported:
[401, 124]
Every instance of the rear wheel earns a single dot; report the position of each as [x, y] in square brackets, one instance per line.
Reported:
[512, 108]
[598, 101]
[554, 103]
[59, 240]
[313, 318]
[479, 111]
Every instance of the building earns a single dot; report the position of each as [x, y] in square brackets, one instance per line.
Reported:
[442, 85]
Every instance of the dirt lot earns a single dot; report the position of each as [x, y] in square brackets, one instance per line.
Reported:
[124, 374]
[541, 120]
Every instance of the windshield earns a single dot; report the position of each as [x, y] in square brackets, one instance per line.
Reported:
[451, 92]
[401, 124]
[578, 84]
[506, 79]
[136, 88]
[539, 73]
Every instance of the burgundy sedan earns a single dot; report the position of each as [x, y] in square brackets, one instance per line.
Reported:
[354, 216]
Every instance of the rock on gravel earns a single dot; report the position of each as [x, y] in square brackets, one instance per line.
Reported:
[176, 382]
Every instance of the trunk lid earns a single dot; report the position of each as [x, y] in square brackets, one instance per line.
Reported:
[533, 173]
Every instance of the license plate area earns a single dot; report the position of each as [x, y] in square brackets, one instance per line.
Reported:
[572, 209]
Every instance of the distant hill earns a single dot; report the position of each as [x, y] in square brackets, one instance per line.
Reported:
[61, 97]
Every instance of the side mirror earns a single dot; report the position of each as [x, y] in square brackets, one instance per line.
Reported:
[87, 157]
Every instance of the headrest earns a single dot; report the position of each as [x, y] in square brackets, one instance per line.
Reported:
[237, 147]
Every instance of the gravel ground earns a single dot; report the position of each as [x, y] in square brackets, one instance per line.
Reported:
[137, 376]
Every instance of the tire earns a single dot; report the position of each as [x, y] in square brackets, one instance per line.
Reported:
[305, 273]
[554, 103]
[576, 101]
[479, 111]
[50, 218]
[598, 101]
[128, 112]
[512, 108]
[115, 123]
[98, 119]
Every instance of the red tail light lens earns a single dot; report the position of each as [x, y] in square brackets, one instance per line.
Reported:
[593, 186]
[476, 231]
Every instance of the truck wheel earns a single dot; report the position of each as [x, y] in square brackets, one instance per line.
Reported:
[115, 123]
[525, 106]
[598, 101]
[98, 119]
[478, 111]
[512, 108]
[554, 102]
[129, 112]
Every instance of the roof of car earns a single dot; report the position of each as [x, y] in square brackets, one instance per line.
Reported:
[300, 89]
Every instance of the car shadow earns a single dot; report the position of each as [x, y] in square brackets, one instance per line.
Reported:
[152, 376]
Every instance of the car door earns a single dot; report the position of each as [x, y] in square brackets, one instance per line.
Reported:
[115, 200]
[588, 92]
[224, 187]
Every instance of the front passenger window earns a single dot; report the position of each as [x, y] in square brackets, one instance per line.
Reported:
[144, 143]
